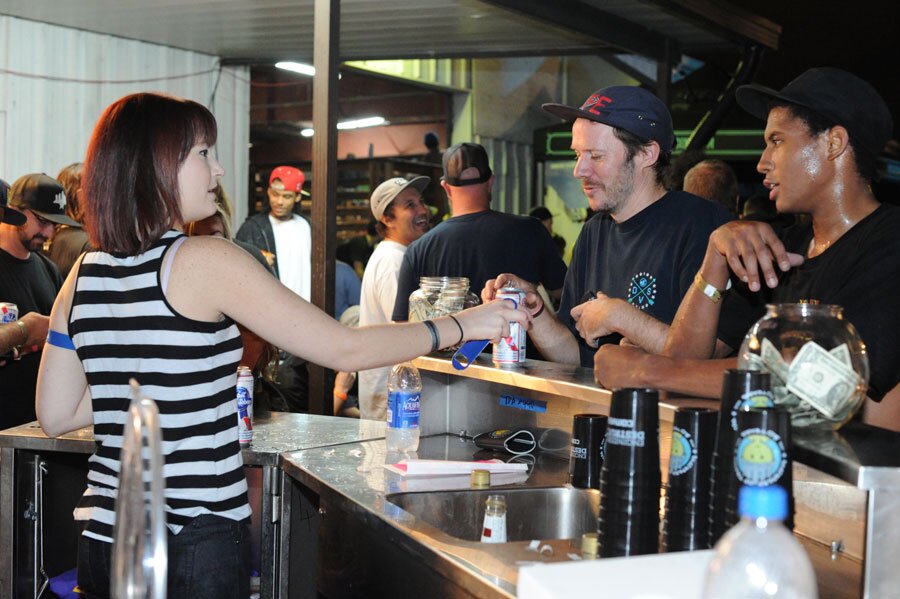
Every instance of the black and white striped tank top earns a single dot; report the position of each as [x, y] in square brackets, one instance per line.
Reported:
[123, 327]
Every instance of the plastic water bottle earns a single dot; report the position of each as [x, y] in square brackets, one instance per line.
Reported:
[404, 390]
[759, 557]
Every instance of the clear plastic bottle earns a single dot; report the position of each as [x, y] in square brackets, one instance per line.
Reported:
[404, 390]
[494, 529]
[759, 558]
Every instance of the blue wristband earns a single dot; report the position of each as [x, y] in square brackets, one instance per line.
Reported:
[60, 340]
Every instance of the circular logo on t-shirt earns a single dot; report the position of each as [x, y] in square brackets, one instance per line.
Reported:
[642, 290]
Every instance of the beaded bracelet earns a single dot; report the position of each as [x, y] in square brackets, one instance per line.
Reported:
[461, 334]
[435, 338]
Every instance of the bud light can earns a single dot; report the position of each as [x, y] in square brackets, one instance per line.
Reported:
[8, 312]
[510, 351]
[245, 406]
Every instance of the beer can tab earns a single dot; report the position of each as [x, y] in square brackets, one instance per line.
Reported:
[466, 354]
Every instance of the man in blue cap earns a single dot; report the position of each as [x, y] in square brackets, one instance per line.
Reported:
[824, 132]
[635, 259]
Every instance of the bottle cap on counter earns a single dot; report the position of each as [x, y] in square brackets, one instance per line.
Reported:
[480, 479]
[589, 547]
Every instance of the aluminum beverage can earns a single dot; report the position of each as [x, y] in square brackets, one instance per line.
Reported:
[8, 312]
[245, 406]
[510, 351]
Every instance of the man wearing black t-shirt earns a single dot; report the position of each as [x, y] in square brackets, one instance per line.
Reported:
[31, 281]
[824, 131]
[477, 243]
[635, 259]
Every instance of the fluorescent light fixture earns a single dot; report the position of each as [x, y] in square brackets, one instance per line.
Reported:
[297, 67]
[369, 121]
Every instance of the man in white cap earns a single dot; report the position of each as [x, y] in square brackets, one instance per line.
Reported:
[29, 280]
[402, 217]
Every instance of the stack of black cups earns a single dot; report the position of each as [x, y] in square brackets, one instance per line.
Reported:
[741, 390]
[630, 475]
[586, 456]
[686, 524]
[762, 447]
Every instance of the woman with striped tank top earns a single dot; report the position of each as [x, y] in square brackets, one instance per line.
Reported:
[158, 306]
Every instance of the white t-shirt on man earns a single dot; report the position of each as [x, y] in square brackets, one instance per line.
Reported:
[379, 289]
[293, 250]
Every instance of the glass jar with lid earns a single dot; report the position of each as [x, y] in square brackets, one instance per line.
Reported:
[818, 362]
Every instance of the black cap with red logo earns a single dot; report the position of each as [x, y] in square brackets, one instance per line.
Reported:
[627, 107]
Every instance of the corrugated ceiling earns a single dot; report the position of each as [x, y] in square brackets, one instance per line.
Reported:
[263, 30]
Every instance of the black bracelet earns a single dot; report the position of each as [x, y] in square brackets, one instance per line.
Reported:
[461, 334]
[539, 312]
[435, 338]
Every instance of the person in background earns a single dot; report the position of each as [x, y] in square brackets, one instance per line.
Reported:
[433, 148]
[714, 180]
[31, 281]
[673, 178]
[285, 239]
[759, 207]
[347, 288]
[260, 356]
[70, 241]
[824, 132]
[402, 217]
[28, 333]
[546, 217]
[477, 242]
[357, 250]
[635, 259]
[187, 361]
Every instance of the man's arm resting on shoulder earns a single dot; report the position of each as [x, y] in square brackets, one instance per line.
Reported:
[617, 366]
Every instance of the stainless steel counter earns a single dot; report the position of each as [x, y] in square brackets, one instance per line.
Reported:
[273, 434]
[30, 461]
[351, 479]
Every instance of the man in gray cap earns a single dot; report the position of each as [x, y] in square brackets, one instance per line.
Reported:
[31, 281]
[402, 217]
[635, 259]
[824, 132]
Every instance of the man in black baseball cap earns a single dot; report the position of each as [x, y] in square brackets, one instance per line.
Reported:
[477, 243]
[634, 260]
[31, 281]
[43, 195]
[824, 131]
[9, 215]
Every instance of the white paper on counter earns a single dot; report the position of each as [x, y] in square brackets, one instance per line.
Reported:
[665, 576]
[451, 468]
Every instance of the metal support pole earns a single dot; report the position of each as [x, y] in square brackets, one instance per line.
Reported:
[326, 41]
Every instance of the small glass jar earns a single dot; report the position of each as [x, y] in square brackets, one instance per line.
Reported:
[818, 362]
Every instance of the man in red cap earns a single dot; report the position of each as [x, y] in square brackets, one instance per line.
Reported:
[284, 237]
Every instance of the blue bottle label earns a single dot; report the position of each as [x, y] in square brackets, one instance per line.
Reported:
[403, 409]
